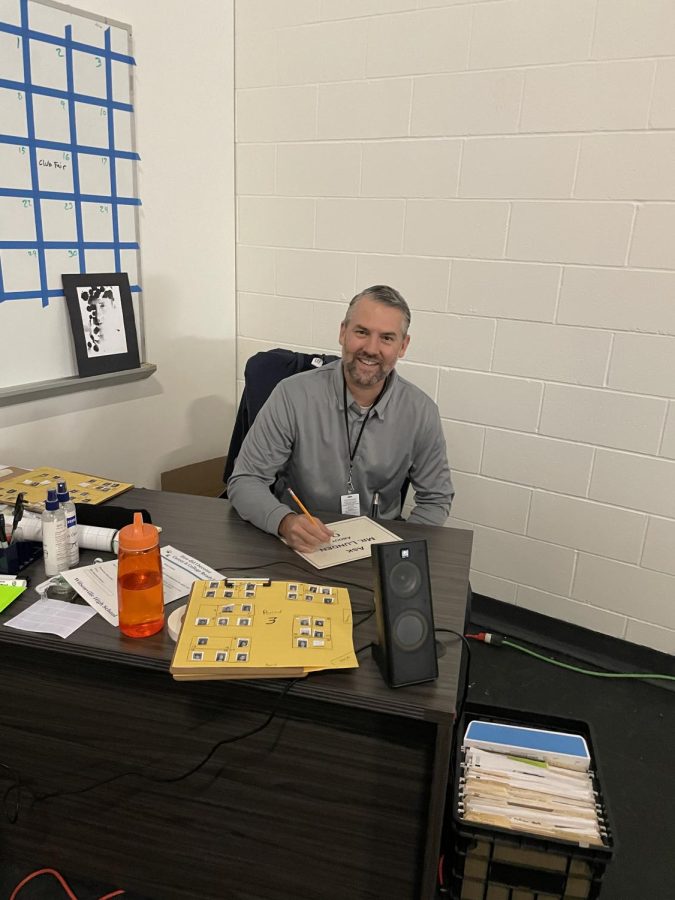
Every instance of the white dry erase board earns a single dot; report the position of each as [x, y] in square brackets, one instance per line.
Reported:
[68, 182]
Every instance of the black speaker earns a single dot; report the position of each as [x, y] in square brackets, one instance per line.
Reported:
[406, 649]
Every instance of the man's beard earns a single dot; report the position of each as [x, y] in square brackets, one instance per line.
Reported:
[367, 378]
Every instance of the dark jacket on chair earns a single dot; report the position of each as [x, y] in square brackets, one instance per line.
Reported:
[263, 372]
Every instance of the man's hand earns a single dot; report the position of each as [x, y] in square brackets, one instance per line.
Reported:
[302, 534]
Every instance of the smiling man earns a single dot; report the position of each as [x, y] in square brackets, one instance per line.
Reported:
[344, 434]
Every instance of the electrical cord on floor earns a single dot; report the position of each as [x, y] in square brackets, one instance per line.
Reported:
[501, 640]
[62, 881]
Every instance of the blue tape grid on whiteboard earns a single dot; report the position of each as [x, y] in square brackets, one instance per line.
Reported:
[73, 148]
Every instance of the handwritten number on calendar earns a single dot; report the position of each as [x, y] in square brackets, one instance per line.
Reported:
[26, 203]
[103, 208]
[59, 51]
[68, 205]
[98, 61]
[72, 252]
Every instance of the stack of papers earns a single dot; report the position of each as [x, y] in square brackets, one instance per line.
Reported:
[258, 628]
[530, 795]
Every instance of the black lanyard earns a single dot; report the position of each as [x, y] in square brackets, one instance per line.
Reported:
[352, 453]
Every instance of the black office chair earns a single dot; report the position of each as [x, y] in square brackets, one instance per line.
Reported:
[262, 373]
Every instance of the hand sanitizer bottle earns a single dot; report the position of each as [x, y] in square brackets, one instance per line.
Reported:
[54, 535]
[68, 508]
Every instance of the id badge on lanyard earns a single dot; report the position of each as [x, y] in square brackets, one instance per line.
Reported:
[350, 504]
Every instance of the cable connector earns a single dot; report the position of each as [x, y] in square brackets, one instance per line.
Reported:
[496, 639]
[487, 638]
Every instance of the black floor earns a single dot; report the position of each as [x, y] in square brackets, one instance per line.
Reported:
[633, 727]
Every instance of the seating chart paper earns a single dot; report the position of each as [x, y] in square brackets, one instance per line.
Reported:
[248, 628]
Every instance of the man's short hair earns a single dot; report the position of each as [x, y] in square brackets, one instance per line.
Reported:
[389, 296]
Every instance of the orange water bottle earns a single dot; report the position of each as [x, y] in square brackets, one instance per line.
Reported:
[140, 594]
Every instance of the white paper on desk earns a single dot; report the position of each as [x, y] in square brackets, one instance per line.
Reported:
[352, 539]
[97, 584]
[52, 617]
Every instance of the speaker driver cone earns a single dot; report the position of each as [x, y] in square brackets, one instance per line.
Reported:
[410, 630]
[405, 579]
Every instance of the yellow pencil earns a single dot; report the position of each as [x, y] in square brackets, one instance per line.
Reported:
[301, 505]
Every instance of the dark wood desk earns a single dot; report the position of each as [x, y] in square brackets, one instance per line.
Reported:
[341, 795]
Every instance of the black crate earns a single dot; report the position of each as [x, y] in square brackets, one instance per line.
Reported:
[18, 556]
[483, 862]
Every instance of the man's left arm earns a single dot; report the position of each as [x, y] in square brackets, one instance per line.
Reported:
[430, 473]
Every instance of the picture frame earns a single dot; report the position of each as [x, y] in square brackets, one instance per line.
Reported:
[102, 321]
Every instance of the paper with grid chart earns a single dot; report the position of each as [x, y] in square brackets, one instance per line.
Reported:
[35, 483]
[52, 617]
[248, 627]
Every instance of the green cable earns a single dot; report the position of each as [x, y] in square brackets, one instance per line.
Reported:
[563, 665]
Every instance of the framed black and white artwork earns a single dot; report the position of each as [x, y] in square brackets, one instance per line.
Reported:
[102, 321]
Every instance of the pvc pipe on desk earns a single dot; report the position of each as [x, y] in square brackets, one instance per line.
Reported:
[89, 537]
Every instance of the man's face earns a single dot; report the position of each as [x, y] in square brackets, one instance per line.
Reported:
[372, 342]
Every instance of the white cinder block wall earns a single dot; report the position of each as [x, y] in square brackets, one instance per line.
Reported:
[509, 165]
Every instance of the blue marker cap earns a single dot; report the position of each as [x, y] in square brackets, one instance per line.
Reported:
[52, 501]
